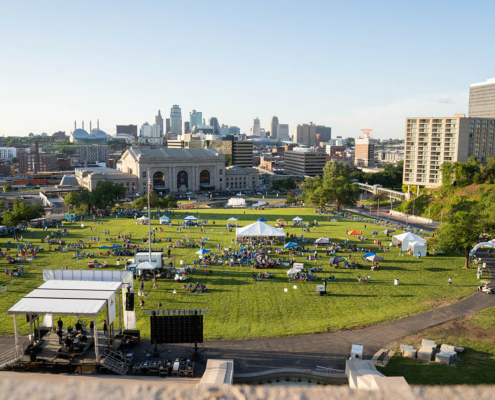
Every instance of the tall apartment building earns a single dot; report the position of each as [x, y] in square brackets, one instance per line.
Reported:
[127, 129]
[432, 141]
[176, 120]
[326, 132]
[93, 154]
[364, 152]
[303, 161]
[305, 134]
[8, 153]
[482, 99]
[274, 128]
[187, 128]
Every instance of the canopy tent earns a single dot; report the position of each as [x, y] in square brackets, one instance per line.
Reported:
[387, 231]
[202, 251]
[164, 217]
[232, 219]
[262, 219]
[297, 219]
[280, 220]
[405, 238]
[417, 247]
[371, 253]
[335, 220]
[354, 233]
[164, 220]
[64, 297]
[104, 247]
[294, 271]
[236, 202]
[322, 240]
[482, 245]
[375, 258]
[190, 218]
[259, 229]
[147, 266]
[115, 246]
[143, 218]
[290, 244]
[336, 259]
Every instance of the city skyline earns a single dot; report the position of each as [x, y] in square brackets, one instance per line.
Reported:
[346, 71]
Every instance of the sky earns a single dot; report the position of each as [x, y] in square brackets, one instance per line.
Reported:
[349, 65]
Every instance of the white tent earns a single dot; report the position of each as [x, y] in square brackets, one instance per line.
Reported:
[405, 238]
[416, 247]
[259, 229]
[190, 218]
[232, 219]
[143, 218]
[297, 219]
[164, 220]
[294, 271]
[147, 265]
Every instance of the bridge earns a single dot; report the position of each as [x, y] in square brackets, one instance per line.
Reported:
[375, 189]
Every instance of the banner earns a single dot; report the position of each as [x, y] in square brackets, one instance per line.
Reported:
[111, 309]
[89, 275]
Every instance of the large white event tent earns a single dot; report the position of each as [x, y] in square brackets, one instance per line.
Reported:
[147, 265]
[81, 298]
[405, 238]
[259, 229]
[417, 247]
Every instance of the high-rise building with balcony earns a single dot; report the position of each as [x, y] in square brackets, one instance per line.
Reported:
[364, 152]
[432, 141]
[176, 120]
[305, 134]
[482, 99]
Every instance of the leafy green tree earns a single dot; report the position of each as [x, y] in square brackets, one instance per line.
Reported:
[14, 160]
[334, 169]
[22, 212]
[289, 183]
[461, 230]
[106, 194]
[169, 201]
[7, 188]
[315, 194]
[142, 201]
[290, 199]
[342, 190]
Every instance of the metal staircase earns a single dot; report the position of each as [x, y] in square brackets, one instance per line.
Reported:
[115, 362]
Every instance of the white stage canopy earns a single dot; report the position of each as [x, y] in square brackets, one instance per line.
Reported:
[259, 229]
[67, 297]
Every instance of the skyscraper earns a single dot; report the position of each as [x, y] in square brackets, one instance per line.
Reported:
[159, 122]
[256, 128]
[326, 132]
[305, 134]
[167, 125]
[187, 129]
[274, 128]
[216, 127]
[128, 129]
[195, 119]
[176, 120]
[283, 132]
[482, 99]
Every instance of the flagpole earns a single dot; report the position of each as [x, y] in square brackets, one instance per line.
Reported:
[149, 211]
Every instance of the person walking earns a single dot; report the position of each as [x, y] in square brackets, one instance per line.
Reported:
[105, 328]
[92, 328]
[450, 281]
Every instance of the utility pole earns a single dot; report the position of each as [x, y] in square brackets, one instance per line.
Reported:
[378, 208]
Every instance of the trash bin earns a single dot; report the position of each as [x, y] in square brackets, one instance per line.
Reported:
[396, 282]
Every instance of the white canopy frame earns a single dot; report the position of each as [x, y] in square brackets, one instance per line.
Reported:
[59, 297]
[259, 229]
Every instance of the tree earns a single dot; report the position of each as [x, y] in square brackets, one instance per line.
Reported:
[142, 201]
[461, 230]
[14, 160]
[169, 201]
[22, 212]
[106, 194]
[290, 199]
[315, 194]
[342, 190]
[7, 188]
[334, 169]
[289, 183]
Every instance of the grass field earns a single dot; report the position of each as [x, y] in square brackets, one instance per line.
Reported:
[243, 308]
[477, 366]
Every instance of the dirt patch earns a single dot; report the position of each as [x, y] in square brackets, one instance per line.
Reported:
[457, 328]
[437, 303]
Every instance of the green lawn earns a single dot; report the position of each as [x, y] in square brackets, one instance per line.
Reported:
[477, 366]
[242, 308]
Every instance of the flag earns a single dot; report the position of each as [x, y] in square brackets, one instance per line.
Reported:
[149, 187]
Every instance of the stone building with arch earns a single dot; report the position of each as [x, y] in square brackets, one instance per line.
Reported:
[175, 170]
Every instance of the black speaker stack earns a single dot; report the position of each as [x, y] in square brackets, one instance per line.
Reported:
[129, 301]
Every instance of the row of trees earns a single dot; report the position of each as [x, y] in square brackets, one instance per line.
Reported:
[22, 212]
[155, 201]
[334, 187]
[391, 177]
[106, 194]
[466, 173]
[284, 184]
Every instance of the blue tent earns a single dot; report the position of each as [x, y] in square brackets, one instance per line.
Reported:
[262, 219]
[115, 246]
[164, 217]
[369, 254]
[290, 244]
[202, 251]
[104, 247]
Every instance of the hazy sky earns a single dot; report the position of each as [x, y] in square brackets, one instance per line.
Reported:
[347, 65]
